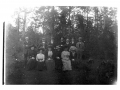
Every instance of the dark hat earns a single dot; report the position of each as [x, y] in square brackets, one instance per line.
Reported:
[41, 48]
[32, 46]
[49, 46]
[65, 46]
[57, 47]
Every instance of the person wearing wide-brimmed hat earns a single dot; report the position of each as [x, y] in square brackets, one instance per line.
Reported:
[65, 59]
[40, 58]
[31, 64]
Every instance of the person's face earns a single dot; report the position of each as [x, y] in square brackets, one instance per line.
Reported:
[40, 51]
[49, 49]
[26, 38]
[67, 40]
[32, 48]
[58, 49]
[73, 51]
[80, 39]
[61, 39]
[66, 49]
[72, 40]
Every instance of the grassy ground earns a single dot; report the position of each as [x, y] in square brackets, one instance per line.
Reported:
[86, 73]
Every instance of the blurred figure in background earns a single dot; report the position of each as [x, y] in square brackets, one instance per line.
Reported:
[62, 43]
[67, 43]
[73, 42]
[26, 49]
[80, 48]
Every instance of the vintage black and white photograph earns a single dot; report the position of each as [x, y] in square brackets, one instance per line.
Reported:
[61, 45]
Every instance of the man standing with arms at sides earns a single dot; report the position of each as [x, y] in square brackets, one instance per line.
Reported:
[80, 48]
[62, 43]
[72, 42]
[68, 43]
[26, 48]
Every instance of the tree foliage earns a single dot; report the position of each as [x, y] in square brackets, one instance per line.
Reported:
[97, 26]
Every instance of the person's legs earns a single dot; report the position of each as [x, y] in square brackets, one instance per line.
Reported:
[25, 59]
[80, 57]
[70, 66]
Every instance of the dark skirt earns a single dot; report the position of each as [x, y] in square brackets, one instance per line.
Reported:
[58, 64]
[40, 66]
[74, 64]
[31, 64]
[50, 65]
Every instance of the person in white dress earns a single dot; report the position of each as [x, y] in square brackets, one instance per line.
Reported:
[66, 60]
[49, 60]
[40, 58]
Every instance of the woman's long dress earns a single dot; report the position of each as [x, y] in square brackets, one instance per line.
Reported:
[40, 61]
[50, 62]
[58, 61]
[66, 61]
[31, 64]
[73, 57]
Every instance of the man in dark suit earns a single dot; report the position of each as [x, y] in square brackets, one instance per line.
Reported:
[73, 57]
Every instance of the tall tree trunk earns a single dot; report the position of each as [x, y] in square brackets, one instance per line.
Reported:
[95, 15]
[87, 17]
[24, 33]
[18, 30]
[24, 25]
[97, 18]
[53, 32]
[69, 19]
[18, 24]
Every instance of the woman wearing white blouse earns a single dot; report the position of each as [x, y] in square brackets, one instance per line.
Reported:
[49, 60]
[40, 58]
[66, 60]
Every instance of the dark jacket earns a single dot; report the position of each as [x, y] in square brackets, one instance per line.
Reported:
[32, 53]
[73, 56]
[57, 54]
[46, 54]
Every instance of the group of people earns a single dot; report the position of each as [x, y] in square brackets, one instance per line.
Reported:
[62, 57]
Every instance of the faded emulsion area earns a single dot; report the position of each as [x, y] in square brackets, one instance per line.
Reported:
[61, 45]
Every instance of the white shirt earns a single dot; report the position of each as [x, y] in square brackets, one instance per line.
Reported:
[40, 57]
[50, 53]
[65, 55]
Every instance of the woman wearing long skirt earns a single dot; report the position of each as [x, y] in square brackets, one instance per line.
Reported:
[65, 59]
[40, 58]
[58, 61]
[49, 60]
[31, 63]
[73, 57]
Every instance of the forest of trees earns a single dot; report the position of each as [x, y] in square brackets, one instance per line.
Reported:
[96, 25]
